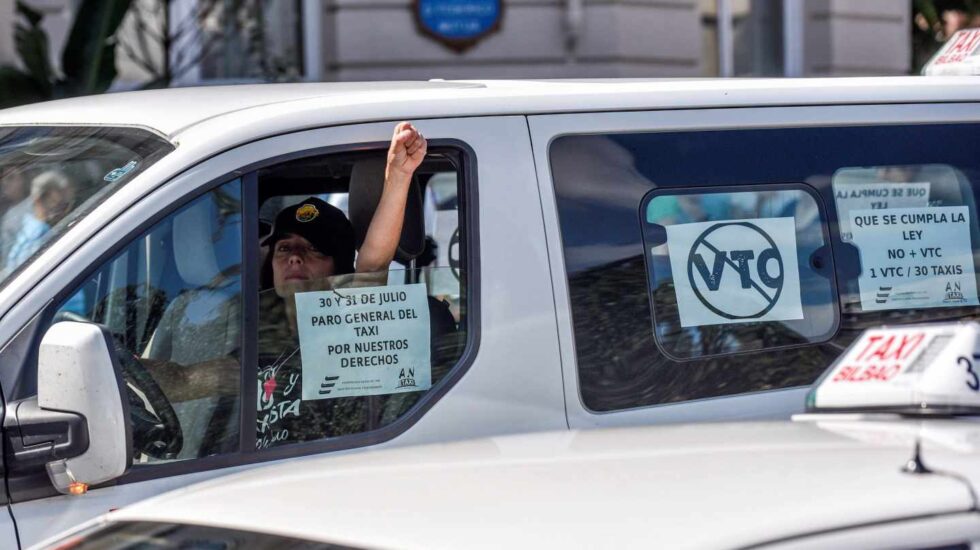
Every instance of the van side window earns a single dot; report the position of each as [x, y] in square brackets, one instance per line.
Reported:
[342, 353]
[735, 272]
[710, 263]
[172, 301]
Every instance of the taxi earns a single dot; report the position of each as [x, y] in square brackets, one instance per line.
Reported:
[888, 456]
[573, 255]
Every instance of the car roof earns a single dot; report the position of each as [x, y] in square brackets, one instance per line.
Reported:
[706, 485]
[172, 111]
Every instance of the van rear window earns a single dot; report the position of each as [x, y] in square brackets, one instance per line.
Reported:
[713, 263]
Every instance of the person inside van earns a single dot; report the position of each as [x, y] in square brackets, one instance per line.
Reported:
[314, 240]
[52, 196]
[311, 242]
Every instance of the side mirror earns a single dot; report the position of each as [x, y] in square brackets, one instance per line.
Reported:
[78, 374]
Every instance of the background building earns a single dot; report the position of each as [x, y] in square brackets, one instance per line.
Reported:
[218, 41]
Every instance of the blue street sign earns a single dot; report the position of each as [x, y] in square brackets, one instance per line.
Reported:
[458, 23]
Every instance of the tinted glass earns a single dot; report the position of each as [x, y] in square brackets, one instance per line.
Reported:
[343, 353]
[172, 301]
[601, 181]
[50, 177]
[168, 536]
[738, 272]
[352, 353]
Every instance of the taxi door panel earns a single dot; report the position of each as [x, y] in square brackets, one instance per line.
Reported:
[509, 378]
[617, 180]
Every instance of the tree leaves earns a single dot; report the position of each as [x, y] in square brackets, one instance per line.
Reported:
[88, 60]
[32, 47]
[89, 57]
[18, 88]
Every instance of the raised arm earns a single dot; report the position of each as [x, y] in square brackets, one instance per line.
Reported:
[405, 154]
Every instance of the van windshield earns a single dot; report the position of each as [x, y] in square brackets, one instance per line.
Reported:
[52, 176]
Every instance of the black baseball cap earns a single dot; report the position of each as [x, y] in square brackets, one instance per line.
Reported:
[325, 226]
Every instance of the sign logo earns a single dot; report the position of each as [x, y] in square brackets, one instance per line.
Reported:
[458, 24]
[406, 378]
[327, 385]
[118, 173]
[306, 213]
[735, 271]
[954, 294]
[758, 267]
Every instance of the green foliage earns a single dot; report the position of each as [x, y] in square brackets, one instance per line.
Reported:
[18, 88]
[32, 46]
[88, 59]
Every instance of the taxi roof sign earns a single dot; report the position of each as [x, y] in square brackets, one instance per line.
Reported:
[959, 56]
[926, 369]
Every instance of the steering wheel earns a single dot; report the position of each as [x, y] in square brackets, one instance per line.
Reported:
[156, 428]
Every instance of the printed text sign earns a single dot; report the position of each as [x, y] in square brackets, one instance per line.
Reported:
[876, 196]
[365, 341]
[735, 271]
[914, 257]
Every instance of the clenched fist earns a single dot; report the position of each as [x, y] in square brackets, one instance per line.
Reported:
[407, 150]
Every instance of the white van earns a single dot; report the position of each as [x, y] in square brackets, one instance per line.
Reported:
[575, 254]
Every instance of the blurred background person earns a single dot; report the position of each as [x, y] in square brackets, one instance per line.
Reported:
[52, 196]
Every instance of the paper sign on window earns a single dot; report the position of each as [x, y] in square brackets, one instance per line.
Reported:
[735, 271]
[876, 196]
[365, 341]
[914, 257]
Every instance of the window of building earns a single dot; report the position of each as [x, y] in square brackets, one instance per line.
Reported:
[898, 218]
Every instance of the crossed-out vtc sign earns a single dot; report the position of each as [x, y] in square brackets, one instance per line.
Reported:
[735, 271]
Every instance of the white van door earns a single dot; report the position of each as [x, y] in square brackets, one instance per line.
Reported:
[178, 281]
[710, 263]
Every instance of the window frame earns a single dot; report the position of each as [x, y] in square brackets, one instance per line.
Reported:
[824, 215]
[35, 487]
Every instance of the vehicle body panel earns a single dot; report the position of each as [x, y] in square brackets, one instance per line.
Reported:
[524, 374]
[498, 395]
[544, 129]
[683, 486]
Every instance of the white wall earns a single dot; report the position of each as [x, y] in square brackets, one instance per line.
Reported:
[850, 37]
[7, 54]
[616, 38]
[378, 39]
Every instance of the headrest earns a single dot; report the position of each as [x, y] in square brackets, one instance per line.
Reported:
[207, 245]
[367, 181]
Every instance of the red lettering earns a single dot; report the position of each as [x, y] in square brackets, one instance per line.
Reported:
[876, 372]
[882, 351]
[871, 342]
[965, 42]
[908, 345]
[844, 373]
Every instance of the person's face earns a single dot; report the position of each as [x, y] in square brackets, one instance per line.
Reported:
[53, 205]
[296, 264]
